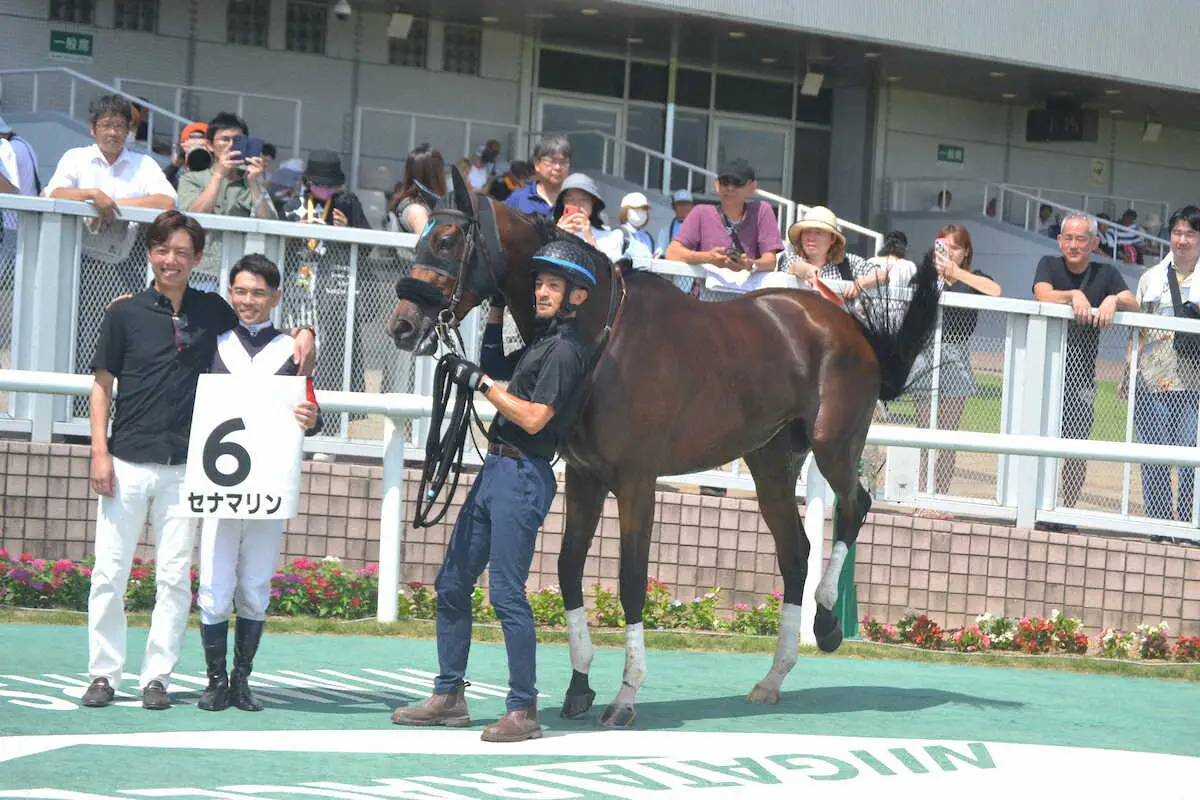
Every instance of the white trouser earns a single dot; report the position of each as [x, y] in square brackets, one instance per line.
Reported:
[237, 561]
[141, 491]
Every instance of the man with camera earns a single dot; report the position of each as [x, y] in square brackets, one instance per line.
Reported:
[1095, 290]
[228, 176]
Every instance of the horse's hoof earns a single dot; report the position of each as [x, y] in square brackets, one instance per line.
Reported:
[618, 715]
[827, 630]
[576, 705]
[762, 696]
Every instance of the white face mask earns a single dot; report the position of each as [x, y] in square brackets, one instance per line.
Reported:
[638, 217]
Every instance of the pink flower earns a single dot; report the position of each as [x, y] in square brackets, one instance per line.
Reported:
[3, 553]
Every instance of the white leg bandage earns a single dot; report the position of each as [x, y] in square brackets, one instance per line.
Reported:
[635, 664]
[786, 647]
[827, 590]
[579, 640]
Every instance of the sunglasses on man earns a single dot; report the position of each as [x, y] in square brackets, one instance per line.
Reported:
[728, 181]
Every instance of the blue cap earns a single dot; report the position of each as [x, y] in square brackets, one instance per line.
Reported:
[682, 196]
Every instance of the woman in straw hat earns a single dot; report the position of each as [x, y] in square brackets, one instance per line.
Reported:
[820, 250]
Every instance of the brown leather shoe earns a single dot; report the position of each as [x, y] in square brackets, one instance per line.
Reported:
[515, 726]
[449, 709]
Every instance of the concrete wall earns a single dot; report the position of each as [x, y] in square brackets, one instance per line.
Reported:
[952, 570]
[913, 124]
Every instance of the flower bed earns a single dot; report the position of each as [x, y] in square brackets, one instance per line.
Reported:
[1058, 634]
[328, 589]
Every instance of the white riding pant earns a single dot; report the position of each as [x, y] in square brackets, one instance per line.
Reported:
[237, 561]
[141, 492]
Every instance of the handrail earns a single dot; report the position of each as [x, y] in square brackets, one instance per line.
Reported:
[356, 143]
[1128, 202]
[151, 107]
[180, 88]
[791, 207]
[898, 197]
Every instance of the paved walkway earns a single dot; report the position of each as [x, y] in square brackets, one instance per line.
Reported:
[946, 731]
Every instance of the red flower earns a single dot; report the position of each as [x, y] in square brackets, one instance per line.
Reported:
[356, 602]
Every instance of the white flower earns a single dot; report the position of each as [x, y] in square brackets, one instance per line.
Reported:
[331, 560]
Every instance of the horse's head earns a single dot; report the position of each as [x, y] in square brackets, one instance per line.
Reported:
[450, 275]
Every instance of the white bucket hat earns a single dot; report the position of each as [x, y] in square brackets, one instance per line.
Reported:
[818, 218]
[635, 200]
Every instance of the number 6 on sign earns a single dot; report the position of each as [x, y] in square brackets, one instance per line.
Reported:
[244, 452]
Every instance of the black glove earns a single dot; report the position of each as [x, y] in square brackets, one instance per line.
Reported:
[463, 372]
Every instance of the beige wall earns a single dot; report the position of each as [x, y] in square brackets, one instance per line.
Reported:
[952, 570]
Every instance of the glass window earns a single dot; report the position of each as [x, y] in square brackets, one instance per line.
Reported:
[645, 126]
[305, 32]
[690, 145]
[81, 11]
[753, 96]
[461, 49]
[648, 82]
[411, 51]
[817, 109]
[246, 22]
[575, 72]
[692, 88]
[136, 15]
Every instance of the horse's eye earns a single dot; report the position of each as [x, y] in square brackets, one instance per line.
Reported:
[444, 244]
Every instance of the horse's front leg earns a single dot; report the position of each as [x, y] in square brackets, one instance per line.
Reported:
[635, 503]
[585, 502]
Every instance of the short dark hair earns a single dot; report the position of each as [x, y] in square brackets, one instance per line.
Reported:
[110, 104]
[165, 226]
[257, 264]
[269, 150]
[1188, 214]
[521, 169]
[552, 146]
[1129, 212]
[223, 122]
[895, 243]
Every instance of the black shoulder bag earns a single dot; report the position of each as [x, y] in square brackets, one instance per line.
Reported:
[731, 229]
[1187, 345]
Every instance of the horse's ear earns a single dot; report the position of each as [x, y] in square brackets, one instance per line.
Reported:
[431, 198]
[462, 196]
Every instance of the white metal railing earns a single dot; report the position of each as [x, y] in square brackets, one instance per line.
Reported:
[1010, 204]
[398, 408]
[1097, 203]
[1023, 341]
[613, 161]
[179, 91]
[37, 74]
[446, 134]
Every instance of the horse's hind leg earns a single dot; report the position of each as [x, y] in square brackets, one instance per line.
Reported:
[585, 502]
[837, 447]
[775, 468]
[635, 503]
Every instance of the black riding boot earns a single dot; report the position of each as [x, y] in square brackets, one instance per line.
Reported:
[215, 639]
[245, 644]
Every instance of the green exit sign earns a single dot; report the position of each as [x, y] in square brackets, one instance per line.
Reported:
[71, 46]
[951, 154]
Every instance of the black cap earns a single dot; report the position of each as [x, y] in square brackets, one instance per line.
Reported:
[324, 168]
[739, 169]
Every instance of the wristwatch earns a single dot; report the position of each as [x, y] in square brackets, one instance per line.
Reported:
[484, 385]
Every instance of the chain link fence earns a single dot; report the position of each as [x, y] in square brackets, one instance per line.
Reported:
[8, 257]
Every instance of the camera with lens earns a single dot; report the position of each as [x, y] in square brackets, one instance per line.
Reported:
[198, 160]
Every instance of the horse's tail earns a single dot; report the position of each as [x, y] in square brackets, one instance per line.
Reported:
[898, 342]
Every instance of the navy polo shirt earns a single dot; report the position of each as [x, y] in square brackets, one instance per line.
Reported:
[549, 372]
[528, 201]
[158, 357]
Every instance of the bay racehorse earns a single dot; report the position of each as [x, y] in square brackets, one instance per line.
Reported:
[677, 386]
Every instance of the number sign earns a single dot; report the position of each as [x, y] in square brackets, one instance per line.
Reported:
[244, 453]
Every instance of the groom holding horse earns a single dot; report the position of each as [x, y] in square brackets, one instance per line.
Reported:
[509, 500]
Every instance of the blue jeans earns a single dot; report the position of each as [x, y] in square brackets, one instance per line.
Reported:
[498, 525]
[1166, 418]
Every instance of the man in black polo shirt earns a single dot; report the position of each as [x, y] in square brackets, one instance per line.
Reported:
[509, 500]
[1095, 291]
[157, 343]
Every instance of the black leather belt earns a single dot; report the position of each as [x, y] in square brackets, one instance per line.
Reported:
[497, 449]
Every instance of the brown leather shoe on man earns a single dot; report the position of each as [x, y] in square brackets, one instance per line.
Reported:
[449, 709]
[515, 726]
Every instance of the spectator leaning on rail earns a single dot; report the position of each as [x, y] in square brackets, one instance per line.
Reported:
[1095, 290]
[156, 343]
[890, 266]
[1168, 377]
[952, 256]
[424, 174]
[552, 163]
[682, 203]
[820, 251]
[577, 210]
[634, 216]
[106, 174]
[739, 233]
